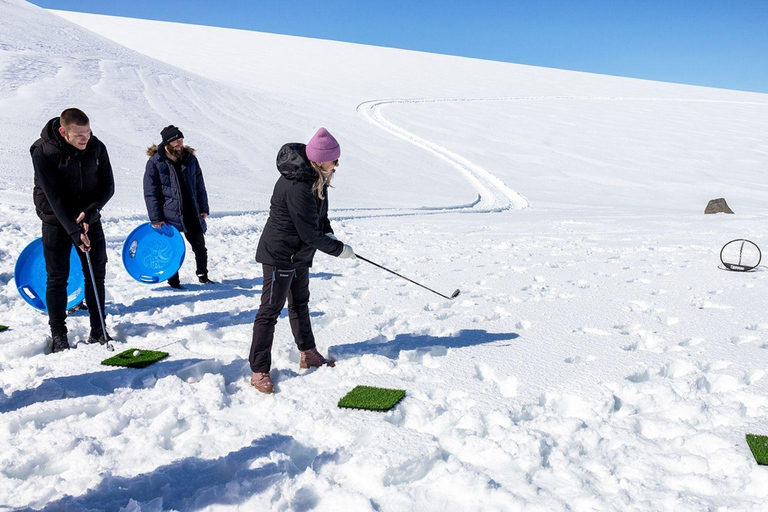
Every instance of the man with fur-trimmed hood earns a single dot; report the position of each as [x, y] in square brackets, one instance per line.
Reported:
[175, 194]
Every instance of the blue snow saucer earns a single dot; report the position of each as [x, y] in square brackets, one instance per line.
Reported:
[152, 255]
[31, 277]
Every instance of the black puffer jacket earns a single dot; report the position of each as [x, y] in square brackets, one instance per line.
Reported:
[68, 180]
[298, 219]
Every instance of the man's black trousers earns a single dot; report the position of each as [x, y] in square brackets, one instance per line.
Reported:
[277, 286]
[57, 245]
[196, 239]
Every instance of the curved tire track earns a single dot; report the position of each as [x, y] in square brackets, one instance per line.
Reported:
[493, 194]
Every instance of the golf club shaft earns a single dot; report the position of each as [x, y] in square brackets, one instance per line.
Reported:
[403, 277]
[96, 294]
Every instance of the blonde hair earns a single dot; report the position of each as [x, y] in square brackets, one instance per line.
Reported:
[323, 179]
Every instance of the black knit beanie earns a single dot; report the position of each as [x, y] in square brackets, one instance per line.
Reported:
[170, 134]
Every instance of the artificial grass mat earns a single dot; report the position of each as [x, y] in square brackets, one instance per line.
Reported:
[127, 359]
[759, 447]
[371, 398]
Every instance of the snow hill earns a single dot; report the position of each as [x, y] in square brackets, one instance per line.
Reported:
[597, 358]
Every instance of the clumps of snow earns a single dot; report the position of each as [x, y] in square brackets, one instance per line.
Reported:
[633, 390]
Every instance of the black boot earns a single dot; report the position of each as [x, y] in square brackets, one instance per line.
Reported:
[203, 278]
[174, 281]
[60, 343]
[98, 337]
[78, 307]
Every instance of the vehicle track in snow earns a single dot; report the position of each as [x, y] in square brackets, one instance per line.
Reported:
[493, 194]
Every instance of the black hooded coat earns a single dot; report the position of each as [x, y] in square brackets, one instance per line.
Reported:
[298, 219]
[164, 194]
[69, 181]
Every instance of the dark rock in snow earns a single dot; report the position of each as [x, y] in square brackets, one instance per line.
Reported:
[717, 206]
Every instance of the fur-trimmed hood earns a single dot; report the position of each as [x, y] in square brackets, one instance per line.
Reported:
[151, 150]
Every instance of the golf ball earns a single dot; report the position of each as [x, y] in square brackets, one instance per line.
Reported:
[136, 353]
[191, 380]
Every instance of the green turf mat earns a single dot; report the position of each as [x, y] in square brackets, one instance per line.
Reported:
[759, 447]
[3, 328]
[370, 398]
[126, 358]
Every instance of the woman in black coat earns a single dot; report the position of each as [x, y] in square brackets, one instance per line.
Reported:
[297, 226]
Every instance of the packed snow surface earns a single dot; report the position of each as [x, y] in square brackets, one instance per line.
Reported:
[596, 359]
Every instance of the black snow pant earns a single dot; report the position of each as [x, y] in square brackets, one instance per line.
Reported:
[279, 285]
[196, 239]
[57, 245]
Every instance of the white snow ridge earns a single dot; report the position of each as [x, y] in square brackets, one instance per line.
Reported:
[597, 358]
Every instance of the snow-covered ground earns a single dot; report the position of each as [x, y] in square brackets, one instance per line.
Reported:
[596, 359]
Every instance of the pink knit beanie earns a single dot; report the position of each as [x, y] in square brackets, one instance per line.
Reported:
[323, 147]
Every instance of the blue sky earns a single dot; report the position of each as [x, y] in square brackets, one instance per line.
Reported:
[716, 43]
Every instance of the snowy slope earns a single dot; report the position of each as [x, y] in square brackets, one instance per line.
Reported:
[597, 358]
[540, 131]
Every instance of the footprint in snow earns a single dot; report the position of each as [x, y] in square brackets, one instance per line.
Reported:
[378, 310]
[591, 330]
[507, 386]
[626, 330]
[690, 342]
[580, 359]
[711, 305]
[742, 340]
[638, 306]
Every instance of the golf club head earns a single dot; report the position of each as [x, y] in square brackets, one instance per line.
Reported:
[455, 294]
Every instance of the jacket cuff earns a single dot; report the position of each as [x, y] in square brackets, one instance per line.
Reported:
[91, 213]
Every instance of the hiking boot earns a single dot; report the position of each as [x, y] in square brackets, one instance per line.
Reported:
[203, 278]
[78, 307]
[313, 359]
[174, 282]
[98, 337]
[262, 382]
[60, 343]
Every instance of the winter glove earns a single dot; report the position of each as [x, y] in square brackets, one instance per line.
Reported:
[347, 252]
[332, 236]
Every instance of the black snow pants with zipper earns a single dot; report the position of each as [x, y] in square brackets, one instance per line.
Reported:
[279, 285]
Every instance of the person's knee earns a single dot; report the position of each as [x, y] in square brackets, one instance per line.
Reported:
[299, 306]
[57, 281]
[266, 317]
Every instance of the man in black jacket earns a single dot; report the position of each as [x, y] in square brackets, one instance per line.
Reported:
[175, 193]
[73, 182]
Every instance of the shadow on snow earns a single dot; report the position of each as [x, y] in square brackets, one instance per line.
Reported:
[105, 382]
[194, 483]
[215, 320]
[392, 348]
[224, 290]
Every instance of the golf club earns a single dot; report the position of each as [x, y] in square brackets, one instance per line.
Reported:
[453, 295]
[105, 335]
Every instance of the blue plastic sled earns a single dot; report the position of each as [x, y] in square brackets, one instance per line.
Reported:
[30, 277]
[152, 255]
